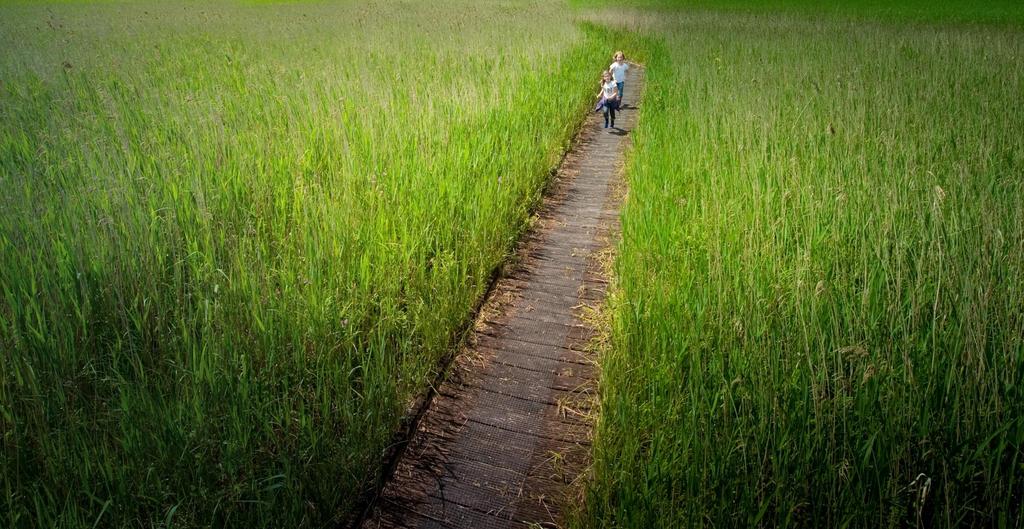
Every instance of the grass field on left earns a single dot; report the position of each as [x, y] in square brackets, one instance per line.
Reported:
[235, 239]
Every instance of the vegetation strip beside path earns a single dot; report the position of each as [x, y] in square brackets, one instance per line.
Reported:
[506, 434]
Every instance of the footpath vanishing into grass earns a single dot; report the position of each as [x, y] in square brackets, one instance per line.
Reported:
[236, 238]
[819, 313]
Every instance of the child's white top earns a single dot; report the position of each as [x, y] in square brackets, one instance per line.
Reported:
[619, 71]
[609, 89]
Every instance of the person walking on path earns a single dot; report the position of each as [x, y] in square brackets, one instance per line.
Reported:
[618, 68]
[609, 95]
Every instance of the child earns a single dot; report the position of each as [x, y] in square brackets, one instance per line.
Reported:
[609, 95]
[619, 68]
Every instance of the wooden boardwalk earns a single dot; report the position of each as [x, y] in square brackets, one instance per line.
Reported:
[507, 433]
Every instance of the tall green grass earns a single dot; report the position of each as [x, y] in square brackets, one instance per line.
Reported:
[235, 239]
[819, 312]
[999, 12]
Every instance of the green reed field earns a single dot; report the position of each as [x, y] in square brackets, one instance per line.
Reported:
[819, 312]
[236, 238]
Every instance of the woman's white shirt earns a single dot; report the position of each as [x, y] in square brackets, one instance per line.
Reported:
[609, 89]
[618, 70]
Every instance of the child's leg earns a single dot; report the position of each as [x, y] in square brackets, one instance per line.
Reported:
[607, 109]
[611, 111]
[619, 86]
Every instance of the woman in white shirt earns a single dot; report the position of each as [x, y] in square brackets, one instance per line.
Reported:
[609, 95]
[619, 67]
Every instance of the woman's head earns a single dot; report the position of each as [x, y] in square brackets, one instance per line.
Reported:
[619, 56]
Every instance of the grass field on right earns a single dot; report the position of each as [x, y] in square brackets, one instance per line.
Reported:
[819, 307]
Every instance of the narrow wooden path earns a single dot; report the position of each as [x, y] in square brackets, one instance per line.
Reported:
[507, 432]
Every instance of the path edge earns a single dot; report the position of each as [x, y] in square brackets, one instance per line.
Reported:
[419, 405]
[602, 313]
